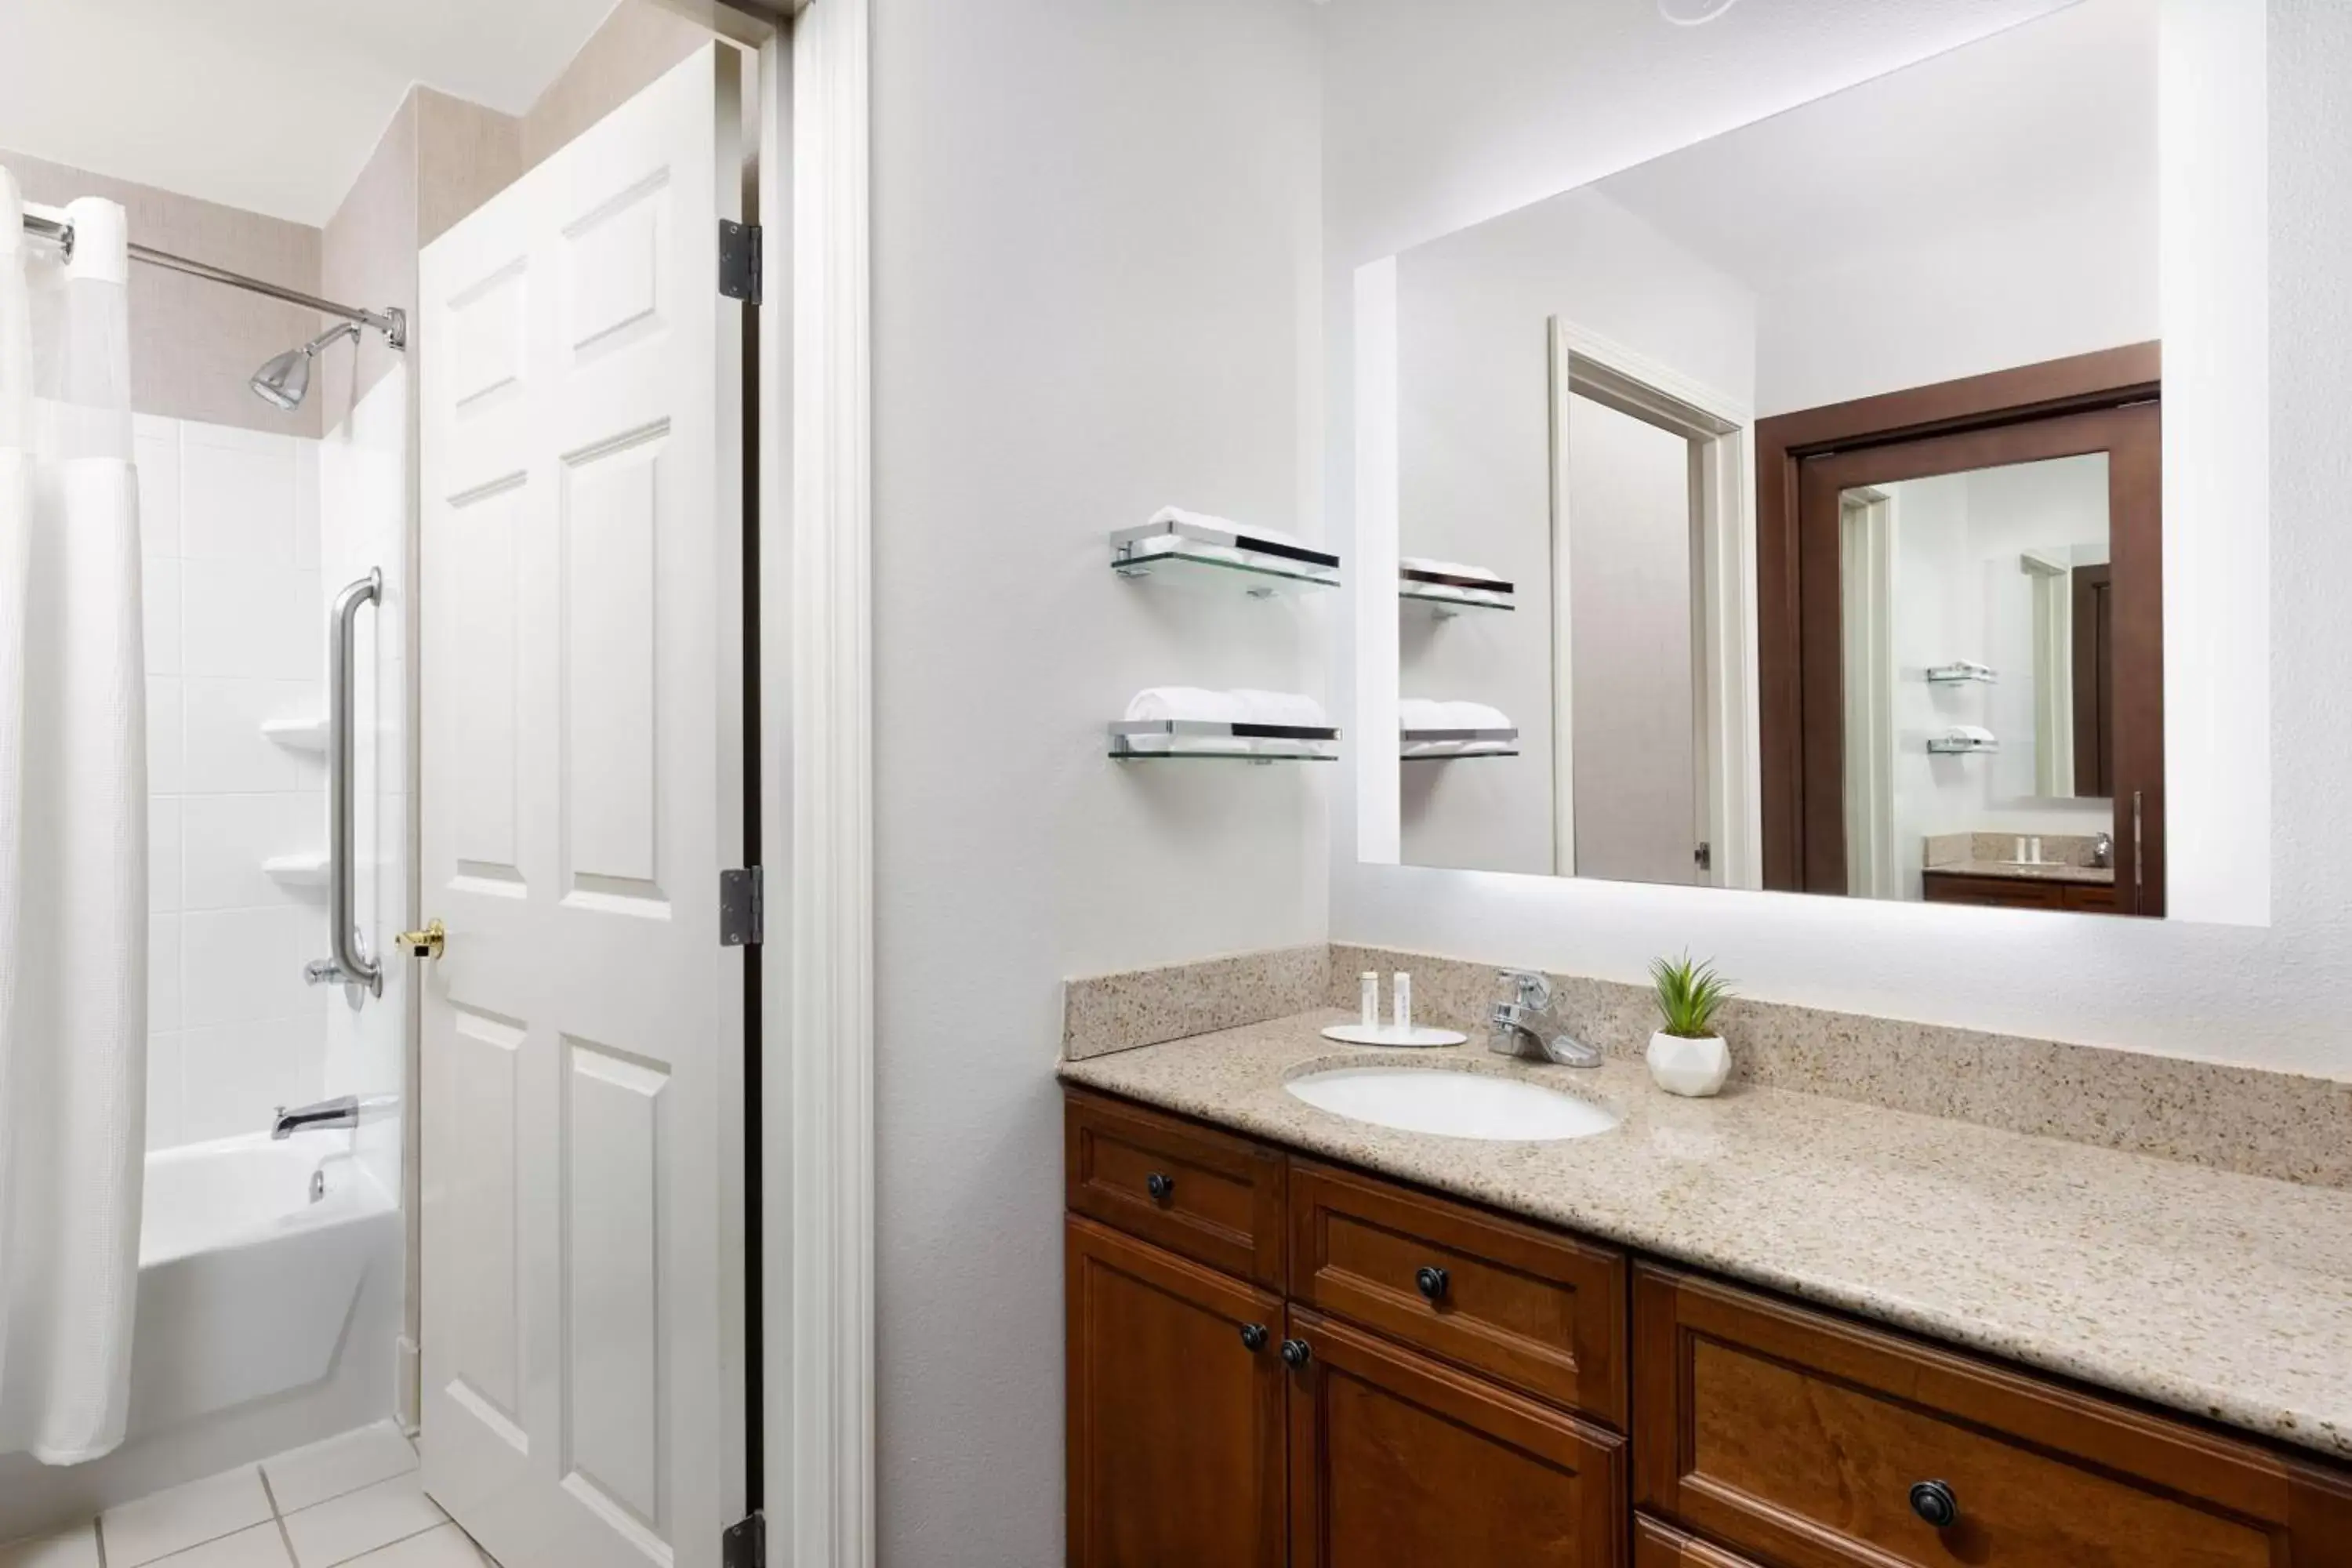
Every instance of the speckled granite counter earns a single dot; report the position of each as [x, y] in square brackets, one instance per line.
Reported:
[2021, 871]
[2222, 1295]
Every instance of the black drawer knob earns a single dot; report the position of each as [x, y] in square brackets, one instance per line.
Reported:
[1162, 1187]
[1934, 1501]
[1254, 1336]
[1431, 1282]
[1294, 1353]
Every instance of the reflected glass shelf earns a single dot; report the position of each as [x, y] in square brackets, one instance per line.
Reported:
[1959, 745]
[1449, 595]
[1458, 745]
[1260, 567]
[1960, 673]
[1200, 740]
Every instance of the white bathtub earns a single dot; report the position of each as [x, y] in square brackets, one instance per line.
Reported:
[246, 1285]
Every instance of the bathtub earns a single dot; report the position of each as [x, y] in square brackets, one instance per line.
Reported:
[253, 1257]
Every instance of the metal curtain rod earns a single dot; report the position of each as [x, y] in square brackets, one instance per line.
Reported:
[392, 323]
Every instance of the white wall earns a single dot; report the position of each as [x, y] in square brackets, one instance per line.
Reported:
[229, 519]
[2272, 997]
[1095, 284]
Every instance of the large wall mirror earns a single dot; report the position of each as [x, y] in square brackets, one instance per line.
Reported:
[1786, 512]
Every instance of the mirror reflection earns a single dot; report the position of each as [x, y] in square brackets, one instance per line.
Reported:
[1785, 514]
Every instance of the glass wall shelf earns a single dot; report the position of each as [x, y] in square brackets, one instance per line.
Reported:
[1458, 745]
[1260, 567]
[1960, 745]
[1960, 670]
[1192, 739]
[1449, 595]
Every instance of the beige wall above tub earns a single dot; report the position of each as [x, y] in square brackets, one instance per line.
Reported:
[194, 345]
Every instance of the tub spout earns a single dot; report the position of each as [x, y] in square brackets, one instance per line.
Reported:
[343, 1111]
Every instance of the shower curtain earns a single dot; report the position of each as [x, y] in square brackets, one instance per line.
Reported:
[73, 838]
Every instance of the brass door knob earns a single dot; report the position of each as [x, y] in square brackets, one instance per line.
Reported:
[425, 943]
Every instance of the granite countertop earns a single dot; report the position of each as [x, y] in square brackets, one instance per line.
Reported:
[2222, 1295]
[2025, 871]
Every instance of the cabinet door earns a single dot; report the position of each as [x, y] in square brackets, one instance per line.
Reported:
[1398, 1461]
[1175, 1410]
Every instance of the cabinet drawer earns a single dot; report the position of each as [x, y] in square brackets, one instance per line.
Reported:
[1800, 1438]
[1206, 1194]
[1660, 1546]
[1524, 1307]
[2010, 892]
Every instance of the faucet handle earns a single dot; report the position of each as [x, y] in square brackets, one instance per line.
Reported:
[1535, 990]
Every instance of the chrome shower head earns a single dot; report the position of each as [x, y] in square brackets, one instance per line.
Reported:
[285, 381]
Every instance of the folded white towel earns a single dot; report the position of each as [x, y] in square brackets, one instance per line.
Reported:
[1422, 713]
[1448, 568]
[1170, 514]
[1154, 702]
[1978, 733]
[1280, 707]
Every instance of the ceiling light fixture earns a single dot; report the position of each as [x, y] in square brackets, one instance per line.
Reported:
[1691, 13]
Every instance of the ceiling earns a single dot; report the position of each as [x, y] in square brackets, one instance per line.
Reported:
[270, 105]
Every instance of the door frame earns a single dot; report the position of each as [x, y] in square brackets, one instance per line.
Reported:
[2104, 379]
[816, 1177]
[1723, 556]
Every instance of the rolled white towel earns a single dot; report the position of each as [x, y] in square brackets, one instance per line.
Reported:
[1280, 707]
[1421, 713]
[1173, 514]
[1448, 568]
[1184, 702]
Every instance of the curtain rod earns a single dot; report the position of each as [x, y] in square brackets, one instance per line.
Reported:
[392, 322]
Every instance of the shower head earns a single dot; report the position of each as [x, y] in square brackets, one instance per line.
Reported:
[285, 381]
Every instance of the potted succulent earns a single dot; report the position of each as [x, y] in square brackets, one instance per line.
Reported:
[1686, 1055]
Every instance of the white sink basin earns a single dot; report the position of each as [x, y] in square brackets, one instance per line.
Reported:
[1452, 1104]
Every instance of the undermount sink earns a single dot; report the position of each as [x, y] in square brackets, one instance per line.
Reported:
[1452, 1104]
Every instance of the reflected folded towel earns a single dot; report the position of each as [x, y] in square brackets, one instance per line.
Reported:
[1425, 713]
[1448, 569]
[1975, 733]
[1184, 702]
[1173, 514]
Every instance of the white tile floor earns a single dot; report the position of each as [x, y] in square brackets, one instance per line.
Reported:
[350, 1499]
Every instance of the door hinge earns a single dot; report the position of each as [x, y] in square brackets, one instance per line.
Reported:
[739, 260]
[742, 907]
[1704, 856]
[745, 1544]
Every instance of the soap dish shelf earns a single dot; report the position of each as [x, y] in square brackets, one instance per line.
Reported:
[1199, 740]
[297, 871]
[1449, 595]
[297, 734]
[1959, 745]
[1409, 739]
[1264, 567]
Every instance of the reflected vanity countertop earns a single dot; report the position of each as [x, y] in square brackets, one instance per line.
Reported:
[2023, 872]
[2216, 1294]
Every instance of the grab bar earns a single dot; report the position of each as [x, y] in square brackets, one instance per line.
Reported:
[350, 955]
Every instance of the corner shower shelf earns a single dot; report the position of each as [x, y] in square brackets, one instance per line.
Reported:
[1962, 671]
[1193, 740]
[1263, 567]
[297, 871]
[297, 734]
[1960, 745]
[1449, 595]
[1491, 743]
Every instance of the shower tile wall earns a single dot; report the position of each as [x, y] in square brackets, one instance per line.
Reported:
[234, 637]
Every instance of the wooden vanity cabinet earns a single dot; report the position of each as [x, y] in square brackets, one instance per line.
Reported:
[1270, 1376]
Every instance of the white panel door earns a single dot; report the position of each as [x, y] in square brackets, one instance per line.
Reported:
[582, 772]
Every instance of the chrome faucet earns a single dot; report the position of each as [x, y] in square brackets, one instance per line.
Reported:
[342, 1111]
[1519, 1027]
[2102, 850]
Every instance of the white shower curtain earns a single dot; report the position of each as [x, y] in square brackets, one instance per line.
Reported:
[73, 838]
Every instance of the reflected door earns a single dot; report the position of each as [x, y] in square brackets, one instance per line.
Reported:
[582, 789]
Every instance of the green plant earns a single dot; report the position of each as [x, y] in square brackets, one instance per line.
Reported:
[1688, 995]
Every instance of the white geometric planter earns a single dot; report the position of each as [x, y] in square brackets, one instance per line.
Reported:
[1695, 1069]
